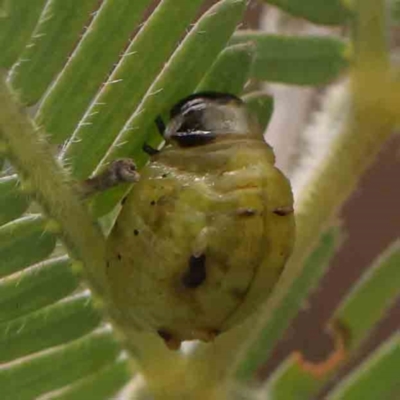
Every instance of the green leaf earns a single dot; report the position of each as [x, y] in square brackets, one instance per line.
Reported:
[99, 386]
[295, 60]
[230, 71]
[16, 28]
[376, 378]
[50, 326]
[12, 201]
[52, 41]
[92, 60]
[371, 298]
[24, 242]
[261, 104]
[314, 267]
[290, 381]
[178, 79]
[28, 378]
[326, 12]
[128, 84]
[36, 287]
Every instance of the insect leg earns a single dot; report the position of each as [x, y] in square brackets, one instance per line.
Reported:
[119, 171]
[151, 151]
[160, 125]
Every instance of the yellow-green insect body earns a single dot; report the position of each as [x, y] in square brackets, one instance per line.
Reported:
[203, 237]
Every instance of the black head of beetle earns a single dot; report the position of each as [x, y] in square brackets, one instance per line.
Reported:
[205, 117]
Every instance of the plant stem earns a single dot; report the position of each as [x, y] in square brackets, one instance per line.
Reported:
[369, 128]
[31, 155]
[371, 124]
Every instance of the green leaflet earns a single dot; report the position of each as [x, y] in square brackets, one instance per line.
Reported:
[376, 291]
[58, 366]
[376, 378]
[326, 12]
[24, 242]
[305, 60]
[13, 202]
[101, 385]
[262, 105]
[17, 27]
[127, 85]
[230, 71]
[50, 46]
[50, 326]
[35, 287]
[94, 58]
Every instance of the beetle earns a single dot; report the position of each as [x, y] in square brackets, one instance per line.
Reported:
[204, 235]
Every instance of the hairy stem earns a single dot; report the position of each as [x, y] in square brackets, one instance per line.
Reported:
[26, 148]
[371, 124]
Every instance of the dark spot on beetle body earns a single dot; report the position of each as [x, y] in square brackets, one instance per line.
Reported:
[196, 272]
[119, 256]
[135, 232]
[152, 203]
[282, 211]
[164, 175]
